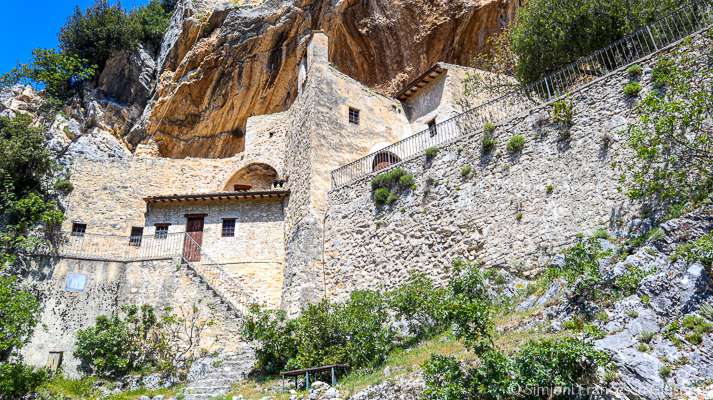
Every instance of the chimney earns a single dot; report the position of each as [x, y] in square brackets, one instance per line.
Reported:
[317, 54]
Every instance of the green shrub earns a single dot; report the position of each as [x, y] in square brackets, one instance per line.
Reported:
[562, 112]
[139, 340]
[665, 371]
[581, 265]
[382, 196]
[407, 180]
[538, 365]
[273, 333]
[663, 73]
[488, 143]
[466, 170]
[699, 250]
[628, 283]
[643, 347]
[18, 380]
[489, 128]
[632, 89]
[386, 185]
[706, 311]
[421, 304]
[19, 310]
[518, 216]
[64, 186]
[469, 309]
[549, 188]
[431, 152]
[516, 144]
[600, 233]
[444, 379]
[634, 70]
[646, 337]
[557, 363]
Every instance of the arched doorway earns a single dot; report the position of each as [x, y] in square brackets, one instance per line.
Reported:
[383, 159]
[256, 176]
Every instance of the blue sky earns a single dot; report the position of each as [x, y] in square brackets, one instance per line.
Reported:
[26, 25]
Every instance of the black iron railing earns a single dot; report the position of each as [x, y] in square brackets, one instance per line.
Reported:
[689, 18]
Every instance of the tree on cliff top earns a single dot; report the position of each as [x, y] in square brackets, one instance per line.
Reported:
[103, 29]
[549, 34]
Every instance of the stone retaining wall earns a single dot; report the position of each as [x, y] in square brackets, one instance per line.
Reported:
[501, 213]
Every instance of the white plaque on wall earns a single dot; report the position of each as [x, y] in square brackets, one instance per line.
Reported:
[75, 282]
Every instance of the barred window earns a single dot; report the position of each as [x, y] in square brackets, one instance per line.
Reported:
[353, 116]
[229, 227]
[79, 229]
[137, 233]
[162, 231]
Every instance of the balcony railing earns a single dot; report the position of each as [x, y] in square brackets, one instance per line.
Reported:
[120, 248]
[689, 18]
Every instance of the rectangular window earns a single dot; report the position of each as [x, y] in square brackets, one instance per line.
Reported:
[137, 232]
[162, 231]
[79, 229]
[353, 116]
[229, 227]
[432, 127]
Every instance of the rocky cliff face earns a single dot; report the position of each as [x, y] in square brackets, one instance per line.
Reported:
[222, 62]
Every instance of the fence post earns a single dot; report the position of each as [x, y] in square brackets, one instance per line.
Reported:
[648, 29]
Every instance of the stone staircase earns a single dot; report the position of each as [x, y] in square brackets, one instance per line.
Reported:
[214, 376]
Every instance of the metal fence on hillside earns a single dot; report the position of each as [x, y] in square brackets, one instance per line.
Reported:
[689, 18]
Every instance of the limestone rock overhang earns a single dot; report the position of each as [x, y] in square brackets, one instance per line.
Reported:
[414, 86]
[217, 196]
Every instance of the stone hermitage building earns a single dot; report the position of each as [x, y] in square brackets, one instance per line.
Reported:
[226, 233]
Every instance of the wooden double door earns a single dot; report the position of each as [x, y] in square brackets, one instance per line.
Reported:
[194, 237]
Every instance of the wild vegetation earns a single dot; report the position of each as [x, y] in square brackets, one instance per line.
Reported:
[29, 213]
[388, 185]
[140, 340]
[87, 40]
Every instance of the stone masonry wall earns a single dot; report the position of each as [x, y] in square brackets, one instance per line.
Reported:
[109, 286]
[450, 216]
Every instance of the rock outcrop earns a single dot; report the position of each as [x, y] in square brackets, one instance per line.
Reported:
[222, 62]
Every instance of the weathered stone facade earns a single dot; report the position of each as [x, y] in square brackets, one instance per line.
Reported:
[502, 212]
[110, 285]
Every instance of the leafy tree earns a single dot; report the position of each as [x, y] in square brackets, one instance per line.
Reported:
[421, 304]
[18, 316]
[272, 331]
[549, 34]
[61, 75]
[469, 306]
[18, 380]
[96, 34]
[673, 139]
[139, 340]
[152, 21]
[26, 170]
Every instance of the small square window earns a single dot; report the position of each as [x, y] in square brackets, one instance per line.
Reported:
[228, 227]
[79, 229]
[353, 116]
[162, 231]
[137, 233]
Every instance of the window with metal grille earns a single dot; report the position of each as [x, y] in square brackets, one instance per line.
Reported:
[229, 227]
[79, 229]
[162, 231]
[137, 232]
[432, 127]
[353, 116]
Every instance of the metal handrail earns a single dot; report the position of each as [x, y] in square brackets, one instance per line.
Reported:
[119, 248]
[687, 19]
[236, 296]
